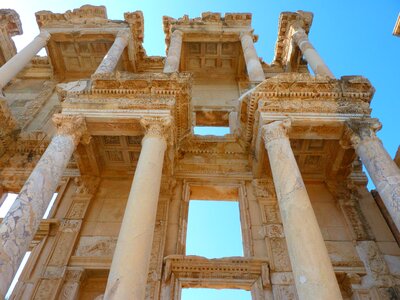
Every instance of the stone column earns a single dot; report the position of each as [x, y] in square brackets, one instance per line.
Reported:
[11, 68]
[310, 54]
[113, 55]
[130, 264]
[382, 169]
[312, 268]
[22, 221]
[253, 65]
[174, 52]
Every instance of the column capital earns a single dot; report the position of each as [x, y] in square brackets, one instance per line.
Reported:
[276, 130]
[357, 131]
[45, 35]
[74, 126]
[156, 126]
[124, 34]
[177, 32]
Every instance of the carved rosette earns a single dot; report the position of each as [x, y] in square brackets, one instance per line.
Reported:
[73, 126]
[357, 132]
[276, 130]
[156, 126]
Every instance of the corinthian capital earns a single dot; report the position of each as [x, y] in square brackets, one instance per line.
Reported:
[74, 126]
[357, 131]
[276, 130]
[156, 126]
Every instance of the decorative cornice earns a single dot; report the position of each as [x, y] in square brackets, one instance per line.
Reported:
[74, 126]
[276, 130]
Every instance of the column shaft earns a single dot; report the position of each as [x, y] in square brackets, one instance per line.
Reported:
[11, 68]
[113, 55]
[312, 268]
[383, 171]
[22, 221]
[310, 54]
[253, 65]
[174, 53]
[130, 264]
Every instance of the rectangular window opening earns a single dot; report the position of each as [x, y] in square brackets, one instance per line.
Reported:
[211, 130]
[213, 294]
[16, 277]
[214, 229]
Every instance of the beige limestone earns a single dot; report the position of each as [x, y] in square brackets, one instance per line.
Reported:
[131, 259]
[253, 64]
[312, 268]
[174, 53]
[10, 69]
[310, 54]
[113, 55]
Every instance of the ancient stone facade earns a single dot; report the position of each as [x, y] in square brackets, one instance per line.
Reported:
[110, 129]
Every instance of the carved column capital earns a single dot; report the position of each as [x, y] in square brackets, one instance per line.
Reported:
[276, 130]
[360, 131]
[74, 126]
[177, 32]
[156, 126]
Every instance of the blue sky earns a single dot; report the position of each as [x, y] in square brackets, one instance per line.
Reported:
[353, 37]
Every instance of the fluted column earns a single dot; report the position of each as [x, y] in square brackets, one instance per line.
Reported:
[253, 65]
[12, 67]
[174, 53]
[130, 264]
[312, 268]
[383, 171]
[315, 61]
[113, 55]
[21, 222]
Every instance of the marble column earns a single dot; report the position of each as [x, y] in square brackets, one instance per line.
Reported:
[113, 55]
[253, 64]
[383, 171]
[312, 268]
[22, 221]
[174, 53]
[130, 264]
[310, 54]
[12, 67]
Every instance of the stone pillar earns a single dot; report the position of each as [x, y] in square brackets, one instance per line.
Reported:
[253, 65]
[113, 55]
[174, 53]
[312, 268]
[22, 221]
[382, 169]
[11, 68]
[130, 264]
[310, 54]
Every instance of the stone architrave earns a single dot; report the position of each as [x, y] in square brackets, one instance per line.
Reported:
[383, 170]
[315, 61]
[130, 264]
[253, 65]
[174, 53]
[312, 268]
[12, 67]
[22, 221]
[113, 55]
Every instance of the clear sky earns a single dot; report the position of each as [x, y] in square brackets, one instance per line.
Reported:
[353, 37]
